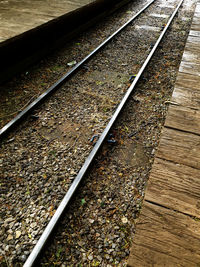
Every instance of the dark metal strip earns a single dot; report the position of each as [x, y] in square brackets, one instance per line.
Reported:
[56, 85]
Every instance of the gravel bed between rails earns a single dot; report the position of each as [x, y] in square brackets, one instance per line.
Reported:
[39, 161]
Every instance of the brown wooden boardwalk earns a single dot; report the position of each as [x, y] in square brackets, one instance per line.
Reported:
[17, 17]
[168, 230]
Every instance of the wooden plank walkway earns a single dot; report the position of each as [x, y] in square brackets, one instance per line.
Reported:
[17, 17]
[168, 229]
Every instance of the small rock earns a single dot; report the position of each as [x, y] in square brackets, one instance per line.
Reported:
[33, 225]
[99, 258]
[84, 257]
[124, 220]
[113, 245]
[10, 237]
[91, 220]
[26, 252]
[23, 258]
[7, 248]
[90, 257]
[10, 231]
[18, 234]
[107, 256]
[9, 220]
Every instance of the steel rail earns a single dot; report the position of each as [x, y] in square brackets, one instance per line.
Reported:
[48, 230]
[57, 84]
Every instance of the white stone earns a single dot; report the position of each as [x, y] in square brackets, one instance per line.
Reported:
[124, 220]
[18, 234]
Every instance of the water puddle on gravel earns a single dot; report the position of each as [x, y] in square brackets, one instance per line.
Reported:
[159, 15]
[166, 6]
[133, 154]
[116, 78]
[148, 28]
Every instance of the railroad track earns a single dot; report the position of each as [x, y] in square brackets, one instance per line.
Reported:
[134, 79]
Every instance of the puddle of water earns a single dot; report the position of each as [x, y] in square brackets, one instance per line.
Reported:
[184, 18]
[148, 28]
[133, 155]
[159, 15]
[166, 6]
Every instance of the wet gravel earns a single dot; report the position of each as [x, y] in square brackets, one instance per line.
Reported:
[41, 158]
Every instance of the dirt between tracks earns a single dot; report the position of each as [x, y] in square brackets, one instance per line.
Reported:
[40, 159]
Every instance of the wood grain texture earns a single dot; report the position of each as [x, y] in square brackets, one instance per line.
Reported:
[189, 98]
[190, 67]
[193, 40]
[191, 55]
[175, 186]
[188, 81]
[196, 22]
[194, 45]
[165, 238]
[180, 147]
[183, 118]
[194, 33]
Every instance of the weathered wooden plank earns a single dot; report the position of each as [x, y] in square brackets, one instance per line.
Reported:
[197, 9]
[192, 48]
[196, 18]
[188, 81]
[183, 118]
[165, 238]
[174, 186]
[191, 55]
[194, 33]
[180, 147]
[196, 22]
[195, 27]
[193, 40]
[191, 68]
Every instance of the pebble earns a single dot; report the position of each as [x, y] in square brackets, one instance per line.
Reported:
[18, 234]
[114, 245]
[10, 237]
[90, 257]
[124, 220]
[7, 248]
[99, 258]
[107, 256]
[10, 219]
[23, 258]
[33, 225]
